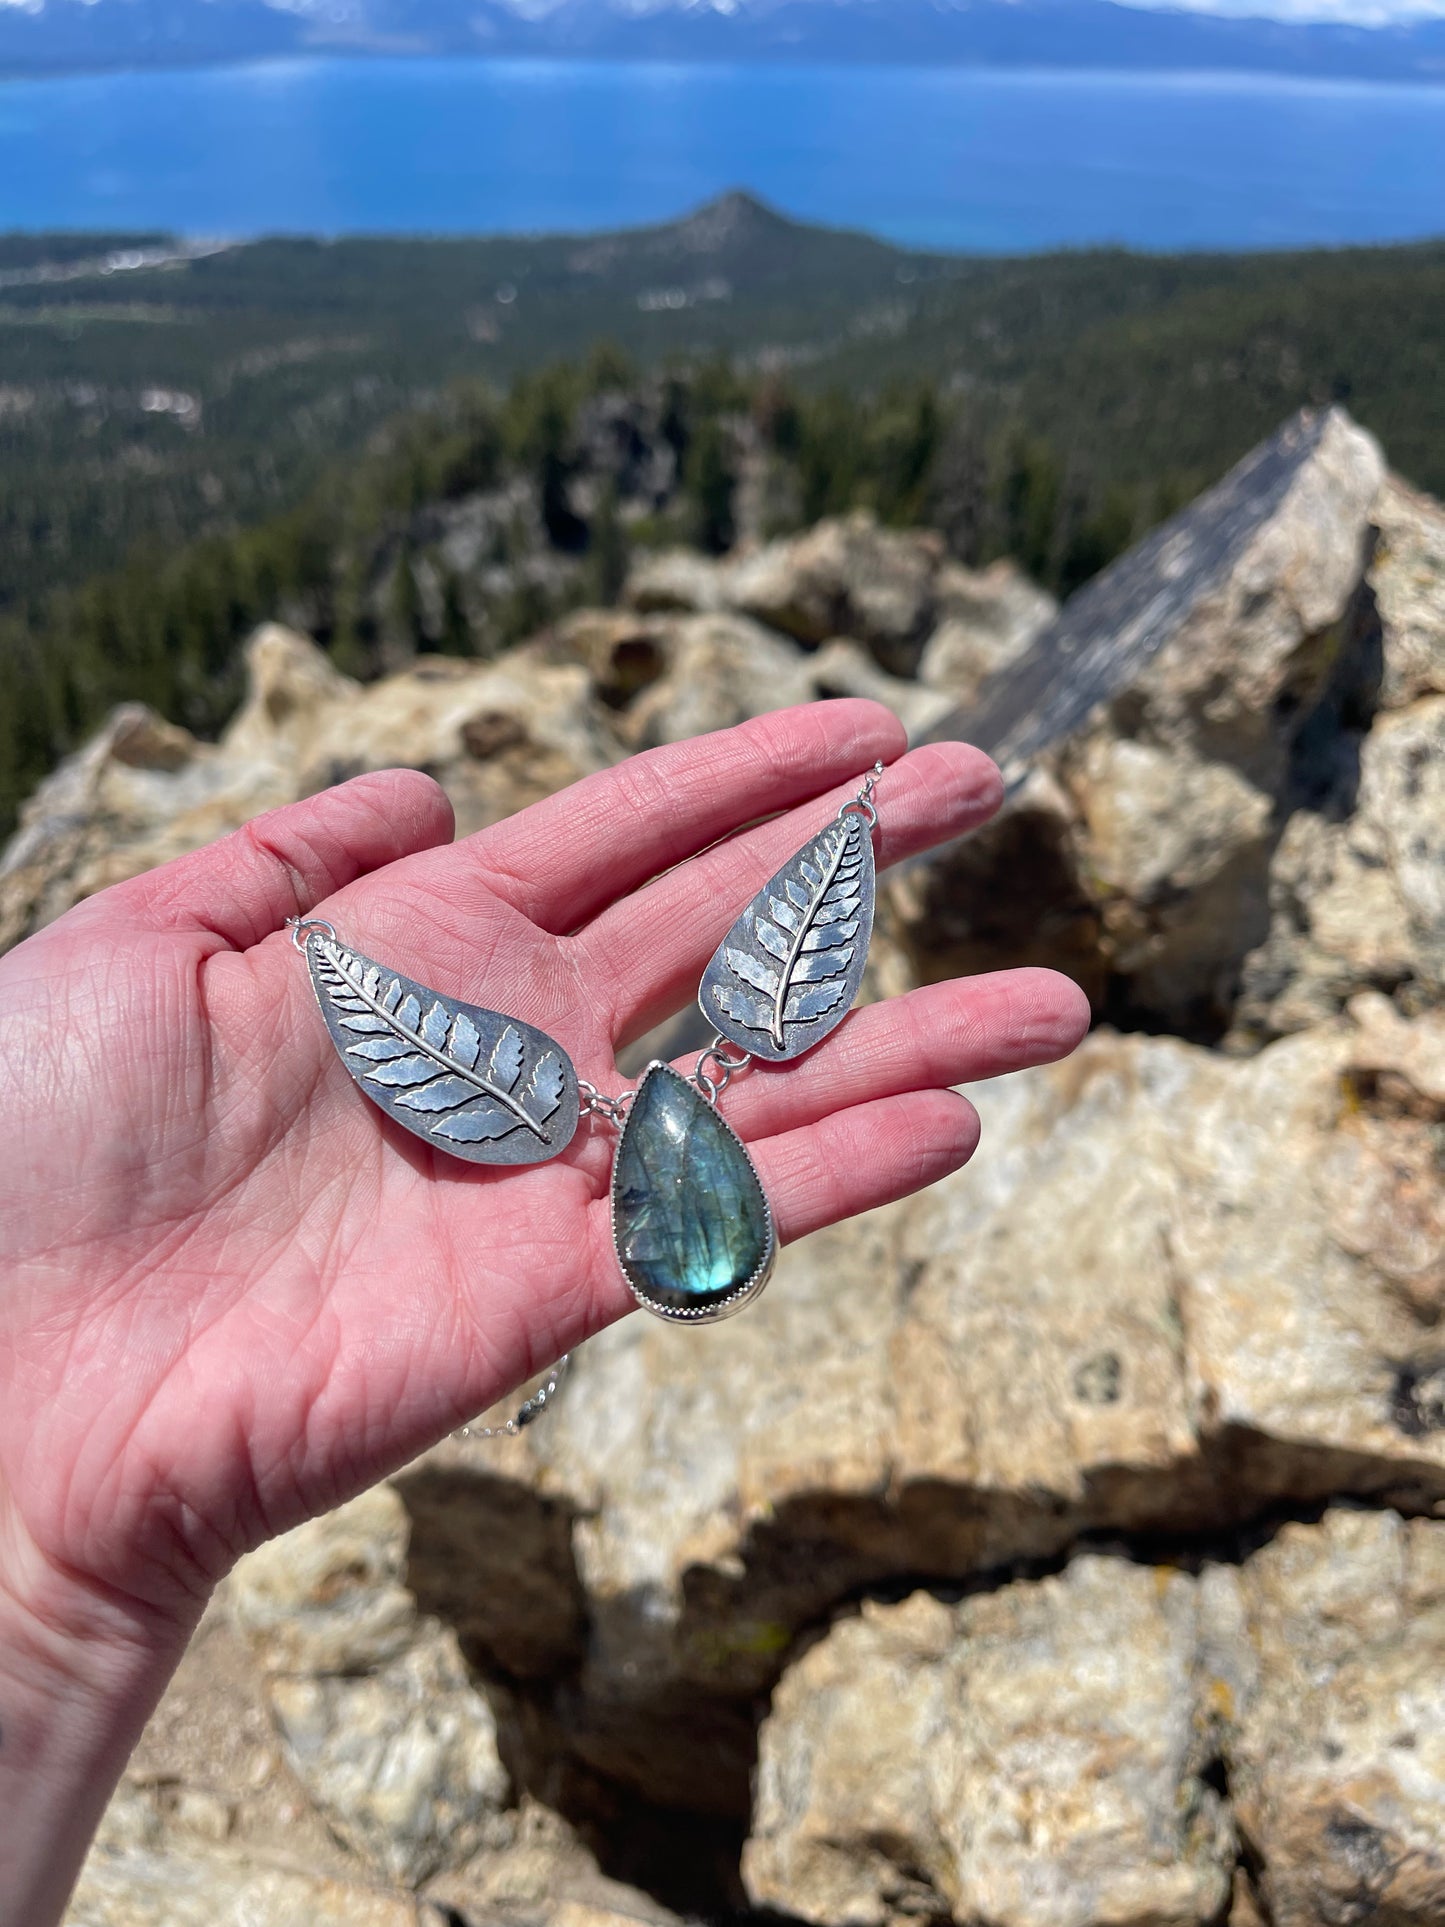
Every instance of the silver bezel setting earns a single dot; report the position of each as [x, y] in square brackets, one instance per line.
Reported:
[743, 1294]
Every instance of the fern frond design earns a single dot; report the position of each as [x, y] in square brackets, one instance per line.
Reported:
[795, 954]
[419, 1054]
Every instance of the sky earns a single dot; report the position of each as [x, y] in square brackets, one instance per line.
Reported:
[1367, 13]
[1371, 13]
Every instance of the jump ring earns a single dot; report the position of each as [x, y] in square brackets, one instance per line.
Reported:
[864, 808]
[302, 927]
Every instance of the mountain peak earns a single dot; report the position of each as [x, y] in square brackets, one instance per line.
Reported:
[730, 219]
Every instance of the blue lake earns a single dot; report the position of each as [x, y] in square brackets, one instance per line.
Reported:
[956, 158]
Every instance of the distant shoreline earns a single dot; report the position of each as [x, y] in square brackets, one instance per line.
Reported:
[1311, 80]
[1024, 70]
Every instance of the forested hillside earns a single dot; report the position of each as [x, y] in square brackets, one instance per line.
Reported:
[419, 444]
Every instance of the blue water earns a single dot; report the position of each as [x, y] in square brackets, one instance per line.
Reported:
[953, 158]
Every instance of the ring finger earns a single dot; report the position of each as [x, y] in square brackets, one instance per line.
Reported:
[944, 1034]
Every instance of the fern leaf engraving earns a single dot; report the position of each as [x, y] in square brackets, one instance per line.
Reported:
[796, 953]
[505, 1065]
[755, 1012]
[464, 1042]
[544, 1088]
[752, 970]
[435, 1063]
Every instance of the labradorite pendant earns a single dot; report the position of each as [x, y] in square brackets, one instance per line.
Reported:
[693, 1230]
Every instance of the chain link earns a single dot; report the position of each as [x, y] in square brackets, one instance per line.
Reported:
[713, 1083]
[530, 1408]
[862, 804]
[597, 1104]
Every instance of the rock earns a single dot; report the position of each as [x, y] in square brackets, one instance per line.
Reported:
[1408, 579]
[987, 620]
[1045, 1751]
[533, 730]
[1185, 1294]
[376, 1713]
[846, 577]
[1175, 706]
[622, 653]
[1357, 895]
[498, 736]
[220, 1889]
[676, 581]
[1029, 1758]
[721, 669]
[1180, 1288]
[843, 668]
[139, 769]
[212, 1825]
[667, 677]
[885, 588]
[1217, 612]
[1335, 1716]
[1398, 1060]
[289, 685]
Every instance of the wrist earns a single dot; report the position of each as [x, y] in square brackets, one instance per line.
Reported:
[80, 1672]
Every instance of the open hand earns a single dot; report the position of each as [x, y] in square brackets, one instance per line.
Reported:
[232, 1293]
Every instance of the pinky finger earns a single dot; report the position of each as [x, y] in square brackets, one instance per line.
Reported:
[864, 1156]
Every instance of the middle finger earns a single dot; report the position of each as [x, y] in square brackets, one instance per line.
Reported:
[949, 1033]
[653, 946]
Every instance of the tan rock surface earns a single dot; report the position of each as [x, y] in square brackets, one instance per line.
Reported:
[497, 735]
[987, 618]
[164, 1887]
[1181, 1294]
[1151, 840]
[1029, 1758]
[1337, 1735]
[376, 1713]
[1406, 576]
[1177, 1289]
[892, 590]
[1360, 901]
[1045, 1751]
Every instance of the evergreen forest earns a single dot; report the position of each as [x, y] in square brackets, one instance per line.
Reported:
[441, 445]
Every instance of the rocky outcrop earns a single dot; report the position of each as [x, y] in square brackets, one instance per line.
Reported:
[1057, 1547]
[1355, 888]
[499, 735]
[893, 590]
[1179, 1290]
[1031, 1757]
[1052, 1752]
[1158, 734]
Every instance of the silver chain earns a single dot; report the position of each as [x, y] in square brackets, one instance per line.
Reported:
[712, 1083]
[528, 1410]
[613, 1110]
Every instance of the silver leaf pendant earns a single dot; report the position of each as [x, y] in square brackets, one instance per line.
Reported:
[787, 972]
[475, 1083]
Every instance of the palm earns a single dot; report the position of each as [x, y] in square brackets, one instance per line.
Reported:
[234, 1293]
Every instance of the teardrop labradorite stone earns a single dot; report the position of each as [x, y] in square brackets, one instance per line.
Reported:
[691, 1222]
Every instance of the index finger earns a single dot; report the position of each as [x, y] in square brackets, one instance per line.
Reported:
[565, 859]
